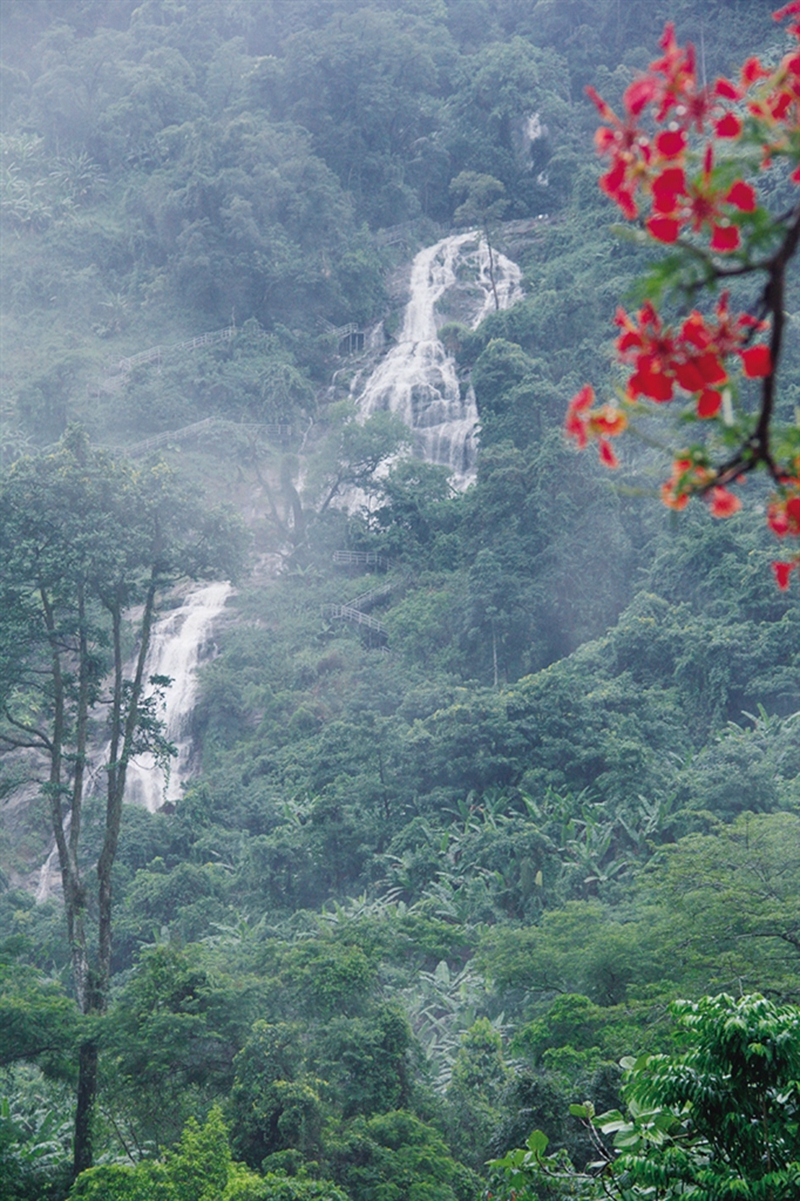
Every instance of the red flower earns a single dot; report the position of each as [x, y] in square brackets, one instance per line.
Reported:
[789, 10]
[679, 88]
[753, 70]
[699, 202]
[724, 503]
[742, 196]
[725, 238]
[727, 90]
[792, 7]
[664, 229]
[629, 151]
[584, 422]
[650, 350]
[639, 94]
[688, 477]
[671, 143]
[607, 421]
[783, 515]
[576, 423]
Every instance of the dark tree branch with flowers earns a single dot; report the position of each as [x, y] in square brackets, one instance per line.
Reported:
[678, 163]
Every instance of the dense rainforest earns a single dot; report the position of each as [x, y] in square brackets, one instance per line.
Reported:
[433, 875]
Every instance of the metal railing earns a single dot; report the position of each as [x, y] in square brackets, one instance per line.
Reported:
[359, 558]
[348, 613]
[154, 354]
[365, 600]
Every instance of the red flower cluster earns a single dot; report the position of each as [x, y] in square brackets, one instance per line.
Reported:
[776, 104]
[654, 163]
[691, 358]
[699, 204]
[658, 174]
[691, 475]
[585, 422]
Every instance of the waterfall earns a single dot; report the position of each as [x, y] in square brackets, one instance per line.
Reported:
[417, 379]
[178, 644]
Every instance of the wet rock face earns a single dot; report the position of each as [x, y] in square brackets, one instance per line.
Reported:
[417, 380]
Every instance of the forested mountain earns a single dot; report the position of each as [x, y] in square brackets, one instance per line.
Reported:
[435, 873]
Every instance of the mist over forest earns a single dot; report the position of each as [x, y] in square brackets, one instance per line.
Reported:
[475, 757]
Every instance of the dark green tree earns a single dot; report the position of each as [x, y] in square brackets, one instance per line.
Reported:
[84, 539]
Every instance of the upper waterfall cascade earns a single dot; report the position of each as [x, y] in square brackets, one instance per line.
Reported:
[417, 379]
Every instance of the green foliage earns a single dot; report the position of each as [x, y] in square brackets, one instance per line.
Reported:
[170, 1041]
[199, 1169]
[35, 1134]
[395, 1156]
[38, 1021]
[737, 1085]
[716, 1121]
[276, 1106]
[740, 882]
[474, 1094]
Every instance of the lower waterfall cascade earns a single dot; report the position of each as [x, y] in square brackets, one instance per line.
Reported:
[180, 641]
[417, 380]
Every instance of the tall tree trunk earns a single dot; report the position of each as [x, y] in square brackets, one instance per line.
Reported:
[87, 1091]
[74, 890]
[123, 730]
[126, 724]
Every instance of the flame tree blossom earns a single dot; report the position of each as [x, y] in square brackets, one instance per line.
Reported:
[684, 162]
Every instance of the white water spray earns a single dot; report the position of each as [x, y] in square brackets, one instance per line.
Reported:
[417, 380]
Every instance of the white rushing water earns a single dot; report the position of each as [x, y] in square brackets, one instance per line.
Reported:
[180, 641]
[417, 379]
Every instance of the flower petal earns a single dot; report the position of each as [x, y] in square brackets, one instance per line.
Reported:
[607, 455]
[756, 362]
[709, 404]
[725, 238]
[743, 196]
[664, 229]
[728, 126]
